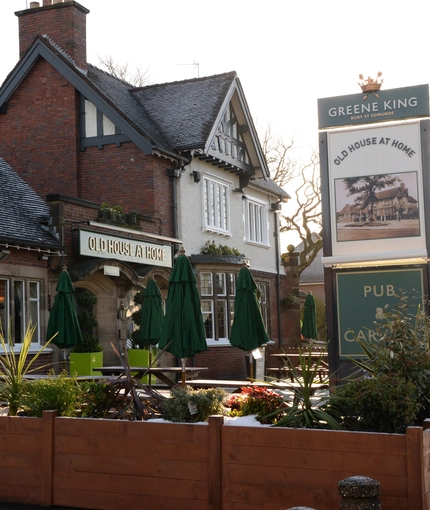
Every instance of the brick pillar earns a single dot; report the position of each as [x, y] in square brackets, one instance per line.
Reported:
[291, 314]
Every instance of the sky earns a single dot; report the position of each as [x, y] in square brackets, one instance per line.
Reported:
[287, 53]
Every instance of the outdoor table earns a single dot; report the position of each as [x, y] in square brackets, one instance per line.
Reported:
[234, 385]
[294, 357]
[159, 372]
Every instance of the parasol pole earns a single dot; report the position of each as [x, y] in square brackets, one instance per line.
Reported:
[251, 366]
[64, 359]
[183, 360]
[150, 364]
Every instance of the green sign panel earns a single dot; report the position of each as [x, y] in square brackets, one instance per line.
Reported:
[385, 105]
[363, 295]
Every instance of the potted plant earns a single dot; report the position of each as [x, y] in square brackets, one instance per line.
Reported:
[89, 353]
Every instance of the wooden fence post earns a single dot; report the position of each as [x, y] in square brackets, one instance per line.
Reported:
[415, 468]
[47, 455]
[214, 463]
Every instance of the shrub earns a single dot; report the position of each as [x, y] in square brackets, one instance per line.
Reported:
[383, 403]
[401, 350]
[210, 248]
[86, 301]
[14, 368]
[190, 406]
[256, 401]
[60, 393]
[96, 398]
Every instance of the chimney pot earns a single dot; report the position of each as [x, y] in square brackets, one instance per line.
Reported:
[58, 1]
[47, 2]
[34, 5]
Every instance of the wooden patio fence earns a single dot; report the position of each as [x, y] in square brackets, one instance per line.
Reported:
[109, 464]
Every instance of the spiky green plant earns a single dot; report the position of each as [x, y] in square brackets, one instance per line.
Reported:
[14, 368]
[307, 409]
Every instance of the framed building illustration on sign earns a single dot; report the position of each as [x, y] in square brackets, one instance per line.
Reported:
[377, 207]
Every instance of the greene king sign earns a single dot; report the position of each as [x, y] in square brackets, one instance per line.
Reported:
[387, 105]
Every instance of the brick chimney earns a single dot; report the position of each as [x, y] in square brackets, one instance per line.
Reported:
[64, 22]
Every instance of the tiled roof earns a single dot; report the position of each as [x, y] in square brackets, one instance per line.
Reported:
[270, 186]
[25, 216]
[186, 111]
[119, 93]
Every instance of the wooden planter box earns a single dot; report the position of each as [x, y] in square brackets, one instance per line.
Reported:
[111, 464]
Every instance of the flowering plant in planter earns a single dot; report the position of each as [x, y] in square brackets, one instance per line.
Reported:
[258, 400]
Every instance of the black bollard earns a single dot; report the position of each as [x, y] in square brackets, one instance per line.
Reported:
[359, 493]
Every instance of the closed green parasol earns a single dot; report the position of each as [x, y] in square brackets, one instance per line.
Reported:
[63, 319]
[151, 322]
[309, 323]
[248, 331]
[183, 332]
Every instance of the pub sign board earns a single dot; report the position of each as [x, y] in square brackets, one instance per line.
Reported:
[363, 295]
[386, 105]
[375, 188]
[96, 244]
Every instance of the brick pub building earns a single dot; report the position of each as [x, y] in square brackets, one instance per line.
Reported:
[183, 162]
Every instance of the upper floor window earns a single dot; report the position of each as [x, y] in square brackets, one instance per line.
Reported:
[96, 128]
[256, 222]
[19, 306]
[216, 206]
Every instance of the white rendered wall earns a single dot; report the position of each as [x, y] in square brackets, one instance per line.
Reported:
[191, 225]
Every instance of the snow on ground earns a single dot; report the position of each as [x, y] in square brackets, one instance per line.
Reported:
[237, 421]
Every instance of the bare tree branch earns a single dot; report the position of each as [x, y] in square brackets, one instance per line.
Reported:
[283, 167]
[306, 220]
[139, 78]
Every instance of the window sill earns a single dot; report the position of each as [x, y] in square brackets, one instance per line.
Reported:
[33, 349]
[213, 230]
[259, 245]
[213, 259]
[223, 342]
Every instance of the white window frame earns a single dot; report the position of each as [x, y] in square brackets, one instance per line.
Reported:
[216, 206]
[256, 222]
[218, 298]
[27, 298]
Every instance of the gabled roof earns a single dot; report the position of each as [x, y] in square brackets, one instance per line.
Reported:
[186, 111]
[271, 187]
[25, 216]
[171, 118]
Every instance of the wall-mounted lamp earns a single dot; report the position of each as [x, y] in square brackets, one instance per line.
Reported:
[196, 176]
[122, 312]
[4, 254]
[276, 206]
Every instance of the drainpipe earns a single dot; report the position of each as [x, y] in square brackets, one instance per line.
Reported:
[276, 208]
[174, 174]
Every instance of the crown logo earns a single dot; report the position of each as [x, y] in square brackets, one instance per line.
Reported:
[370, 86]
